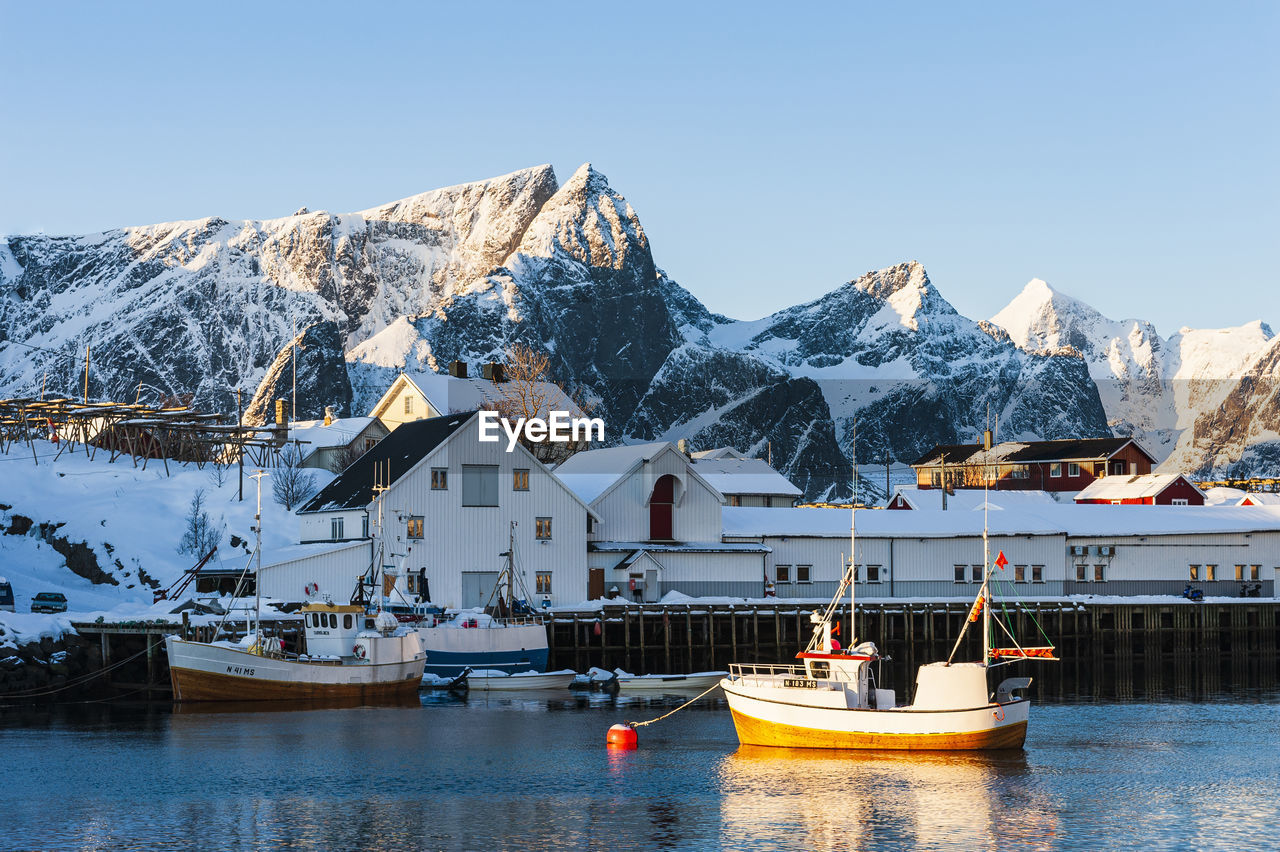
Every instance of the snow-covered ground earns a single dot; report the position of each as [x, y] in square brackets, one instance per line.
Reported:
[132, 519]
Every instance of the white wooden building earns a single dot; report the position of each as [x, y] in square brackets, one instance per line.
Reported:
[331, 443]
[420, 395]
[659, 524]
[745, 481]
[1053, 550]
[448, 511]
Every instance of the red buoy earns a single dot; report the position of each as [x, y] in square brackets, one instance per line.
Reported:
[622, 736]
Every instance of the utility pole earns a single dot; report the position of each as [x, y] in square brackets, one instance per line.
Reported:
[887, 459]
[86, 374]
[240, 442]
[293, 355]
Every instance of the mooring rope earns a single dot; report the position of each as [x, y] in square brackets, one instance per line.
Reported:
[74, 682]
[673, 712]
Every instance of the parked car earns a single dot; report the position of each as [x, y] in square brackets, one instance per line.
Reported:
[49, 602]
[6, 594]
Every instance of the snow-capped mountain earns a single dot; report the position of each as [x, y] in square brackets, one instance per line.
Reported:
[208, 306]
[1196, 399]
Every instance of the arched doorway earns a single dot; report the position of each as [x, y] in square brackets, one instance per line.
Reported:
[661, 502]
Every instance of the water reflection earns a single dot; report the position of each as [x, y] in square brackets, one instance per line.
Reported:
[818, 799]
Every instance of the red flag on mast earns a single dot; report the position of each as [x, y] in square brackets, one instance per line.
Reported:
[1001, 561]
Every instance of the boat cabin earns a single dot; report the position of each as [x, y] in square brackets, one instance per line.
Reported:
[332, 629]
[845, 670]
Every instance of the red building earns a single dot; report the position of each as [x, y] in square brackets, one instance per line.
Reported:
[1154, 489]
[1069, 465]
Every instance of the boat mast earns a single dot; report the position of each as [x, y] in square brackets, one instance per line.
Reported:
[380, 488]
[853, 538]
[257, 572]
[986, 541]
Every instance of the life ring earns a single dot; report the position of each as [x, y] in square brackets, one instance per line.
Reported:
[359, 651]
[311, 588]
[998, 713]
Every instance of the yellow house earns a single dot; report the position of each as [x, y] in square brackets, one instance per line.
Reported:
[420, 395]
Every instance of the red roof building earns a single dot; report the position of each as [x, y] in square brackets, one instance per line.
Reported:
[1069, 465]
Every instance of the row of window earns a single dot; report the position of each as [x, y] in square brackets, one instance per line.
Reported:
[479, 482]
[1209, 573]
[973, 573]
[328, 619]
[803, 573]
[1099, 573]
[415, 527]
[337, 528]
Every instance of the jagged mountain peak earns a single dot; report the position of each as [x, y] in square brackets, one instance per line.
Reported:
[590, 221]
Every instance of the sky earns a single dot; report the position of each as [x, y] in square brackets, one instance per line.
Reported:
[1125, 153]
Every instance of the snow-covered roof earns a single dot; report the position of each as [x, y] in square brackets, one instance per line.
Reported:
[1131, 487]
[677, 547]
[451, 393]
[1220, 495]
[1007, 452]
[972, 499]
[718, 453]
[285, 555]
[1262, 498]
[1050, 519]
[590, 473]
[737, 475]
[338, 433]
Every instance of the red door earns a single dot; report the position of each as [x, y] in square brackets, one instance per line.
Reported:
[660, 508]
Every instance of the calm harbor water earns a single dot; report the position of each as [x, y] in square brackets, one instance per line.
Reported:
[533, 773]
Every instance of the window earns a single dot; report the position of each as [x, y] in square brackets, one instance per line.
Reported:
[1179, 501]
[542, 529]
[346, 621]
[735, 500]
[414, 527]
[370, 443]
[335, 529]
[439, 479]
[520, 479]
[408, 403]
[591, 524]
[1020, 471]
[1239, 573]
[1210, 573]
[802, 573]
[977, 573]
[1082, 572]
[1073, 469]
[1254, 571]
[480, 485]
[1099, 573]
[873, 573]
[1195, 572]
[543, 581]
[364, 525]
[1119, 468]
[783, 572]
[333, 620]
[1019, 573]
[935, 479]
[1055, 469]
[1037, 573]
[960, 572]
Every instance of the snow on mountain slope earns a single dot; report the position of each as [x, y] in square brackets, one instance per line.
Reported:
[890, 351]
[1153, 388]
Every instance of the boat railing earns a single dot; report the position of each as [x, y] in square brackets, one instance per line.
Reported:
[764, 671]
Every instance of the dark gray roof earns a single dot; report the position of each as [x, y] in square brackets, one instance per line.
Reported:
[1070, 449]
[408, 444]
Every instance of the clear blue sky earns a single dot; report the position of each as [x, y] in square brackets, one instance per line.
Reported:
[1126, 153]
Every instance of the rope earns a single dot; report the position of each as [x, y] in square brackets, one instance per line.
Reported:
[673, 712]
[74, 682]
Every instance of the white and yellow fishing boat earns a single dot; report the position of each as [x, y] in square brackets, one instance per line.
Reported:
[830, 699]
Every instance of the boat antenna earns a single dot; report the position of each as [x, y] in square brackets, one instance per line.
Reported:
[257, 572]
[379, 489]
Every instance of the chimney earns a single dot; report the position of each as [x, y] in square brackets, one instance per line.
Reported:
[683, 446]
[458, 369]
[328, 415]
[279, 412]
[492, 372]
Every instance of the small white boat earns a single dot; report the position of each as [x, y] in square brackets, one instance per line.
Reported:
[658, 682]
[494, 680]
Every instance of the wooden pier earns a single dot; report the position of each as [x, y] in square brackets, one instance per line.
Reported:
[1090, 637]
